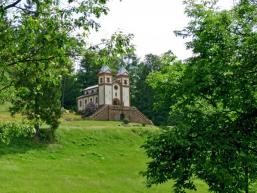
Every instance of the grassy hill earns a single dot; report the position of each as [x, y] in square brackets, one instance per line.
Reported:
[89, 157]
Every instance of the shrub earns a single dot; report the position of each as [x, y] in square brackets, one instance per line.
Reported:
[90, 109]
[47, 135]
[126, 120]
[10, 131]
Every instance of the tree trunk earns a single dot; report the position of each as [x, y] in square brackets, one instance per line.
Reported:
[37, 128]
[36, 111]
[63, 90]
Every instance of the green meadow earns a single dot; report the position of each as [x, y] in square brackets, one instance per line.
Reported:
[88, 157]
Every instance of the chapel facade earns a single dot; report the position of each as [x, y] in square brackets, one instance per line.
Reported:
[110, 90]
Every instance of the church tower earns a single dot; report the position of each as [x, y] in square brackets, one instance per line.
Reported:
[105, 86]
[123, 77]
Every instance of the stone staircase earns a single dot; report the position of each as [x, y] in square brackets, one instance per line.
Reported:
[113, 113]
[101, 113]
[140, 116]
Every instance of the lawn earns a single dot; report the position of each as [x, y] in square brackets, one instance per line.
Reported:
[89, 157]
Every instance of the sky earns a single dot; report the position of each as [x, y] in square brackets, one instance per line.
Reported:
[151, 21]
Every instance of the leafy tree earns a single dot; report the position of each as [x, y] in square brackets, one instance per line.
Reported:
[213, 104]
[43, 41]
[71, 89]
[139, 73]
[116, 51]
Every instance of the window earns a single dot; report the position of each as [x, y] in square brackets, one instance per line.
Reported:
[116, 94]
[108, 79]
[101, 80]
[125, 82]
[96, 100]
[116, 87]
[91, 100]
[85, 101]
[80, 103]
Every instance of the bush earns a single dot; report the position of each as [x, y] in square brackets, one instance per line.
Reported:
[90, 109]
[47, 135]
[126, 120]
[10, 131]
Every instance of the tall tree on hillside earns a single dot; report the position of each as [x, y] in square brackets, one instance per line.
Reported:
[213, 104]
[42, 45]
[115, 52]
[142, 94]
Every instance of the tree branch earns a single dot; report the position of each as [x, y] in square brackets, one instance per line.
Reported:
[31, 60]
[25, 10]
[12, 4]
[6, 87]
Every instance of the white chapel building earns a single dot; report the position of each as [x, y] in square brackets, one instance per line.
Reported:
[110, 90]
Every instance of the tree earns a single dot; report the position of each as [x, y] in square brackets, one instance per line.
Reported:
[139, 73]
[116, 51]
[43, 39]
[213, 104]
[71, 89]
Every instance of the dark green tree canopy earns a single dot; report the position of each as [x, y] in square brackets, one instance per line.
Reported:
[212, 101]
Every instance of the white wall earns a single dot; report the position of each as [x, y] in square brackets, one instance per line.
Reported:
[88, 99]
[80, 108]
[126, 98]
[108, 94]
[101, 95]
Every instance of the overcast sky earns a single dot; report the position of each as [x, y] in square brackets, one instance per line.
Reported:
[151, 21]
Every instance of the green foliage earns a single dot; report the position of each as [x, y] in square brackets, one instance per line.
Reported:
[13, 131]
[116, 51]
[71, 89]
[39, 41]
[139, 73]
[212, 104]
[125, 120]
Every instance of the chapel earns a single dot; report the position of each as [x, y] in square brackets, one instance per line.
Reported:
[111, 96]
